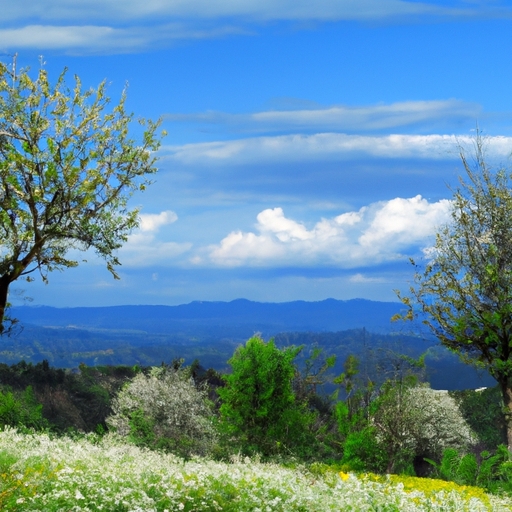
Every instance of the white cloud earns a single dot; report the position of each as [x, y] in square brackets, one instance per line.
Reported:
[130, 25]
[261, 10]
[76, 39]
[153, 221]
[403, 221]
[71, 37]
[144, 248]
[362, 279]
[343, 118]
[146, 251]
[327, 146]
[378, 233]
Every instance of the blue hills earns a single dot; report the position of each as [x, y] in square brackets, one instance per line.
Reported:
[241, 316]
[211, 331]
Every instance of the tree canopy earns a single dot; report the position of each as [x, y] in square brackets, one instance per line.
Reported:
[464, 292]
[68, 166]
[258, 403]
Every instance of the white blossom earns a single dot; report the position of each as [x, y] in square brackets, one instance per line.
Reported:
[172, 403]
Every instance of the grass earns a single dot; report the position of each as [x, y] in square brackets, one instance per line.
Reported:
[92, 474]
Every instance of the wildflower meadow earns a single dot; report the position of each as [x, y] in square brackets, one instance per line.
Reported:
[92, 473]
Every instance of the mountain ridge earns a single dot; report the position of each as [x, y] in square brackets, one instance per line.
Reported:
[268, 317]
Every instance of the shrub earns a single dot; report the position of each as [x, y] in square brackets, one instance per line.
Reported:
[165, 410]
[461, 469]
[439, 422]
[417, 421]
[363, 452]
[494, 472]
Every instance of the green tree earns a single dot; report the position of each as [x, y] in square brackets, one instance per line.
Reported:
[483, 410]
[259, 406]
[67, 169]
[464, 293]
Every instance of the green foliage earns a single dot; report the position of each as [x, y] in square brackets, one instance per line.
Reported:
[70, 400]
[67, 170]
[343, 418]
[22, 374]
[21, 410]
[493, 472]
[449, 464]
[468, 469]
[309, 382]
[320, 439]
[259, 407]
[7, 460]
[141, 428]
[347, 378]
[483, 410]
[363, 452]
[461, 469]
[349, 418]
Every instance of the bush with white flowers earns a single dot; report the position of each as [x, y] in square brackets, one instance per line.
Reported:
[165, 409]
[439, 423]
[418, 421]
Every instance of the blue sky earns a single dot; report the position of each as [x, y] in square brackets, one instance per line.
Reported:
[310, 145]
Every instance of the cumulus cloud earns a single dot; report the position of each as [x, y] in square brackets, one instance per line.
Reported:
[328, 146]
[153, 221]
[341, 117]
[379, 233]
[144, 248]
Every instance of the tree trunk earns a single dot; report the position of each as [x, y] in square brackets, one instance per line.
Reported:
[4, 290]
[506, 390]
[391, 465]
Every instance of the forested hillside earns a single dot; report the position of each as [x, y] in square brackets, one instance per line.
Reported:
[68, 347]
[210, 332]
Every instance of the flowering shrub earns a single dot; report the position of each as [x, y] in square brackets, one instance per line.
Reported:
[165, 410]
[38, 473]
[439, 422]
[417, 420]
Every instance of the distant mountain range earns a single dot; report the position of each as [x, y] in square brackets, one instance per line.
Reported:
[211, 331]
[239, 318]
